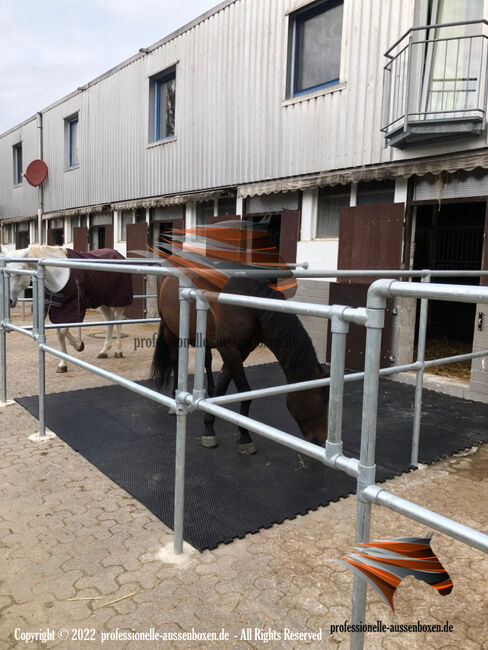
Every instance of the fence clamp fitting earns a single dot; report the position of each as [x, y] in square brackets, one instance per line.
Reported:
[185, 293]
[366, 477]
[332, 451]
[182, 407]
[375, 318]
[338, 325]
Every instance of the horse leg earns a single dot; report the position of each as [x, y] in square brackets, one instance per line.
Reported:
[118, 313]
[208, 438]
[233, 360]
[208, 368]
[108, 315]
[61, 332]
[77, 343]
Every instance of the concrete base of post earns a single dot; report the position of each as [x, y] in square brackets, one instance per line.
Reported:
[48, 435]
[9, 402]
[167, 555]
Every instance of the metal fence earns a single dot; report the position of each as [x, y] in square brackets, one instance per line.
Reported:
[436, 73]
[331, 455]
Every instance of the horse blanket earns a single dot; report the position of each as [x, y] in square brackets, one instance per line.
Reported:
[87, 289]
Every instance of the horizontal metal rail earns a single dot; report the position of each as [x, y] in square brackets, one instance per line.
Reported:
[116, 379]
[354, 376]
[349, 465]
[379, 496]
[98, 323]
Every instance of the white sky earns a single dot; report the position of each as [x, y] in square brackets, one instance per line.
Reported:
[50, 47]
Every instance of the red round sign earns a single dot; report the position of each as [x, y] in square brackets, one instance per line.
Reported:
[36, 172]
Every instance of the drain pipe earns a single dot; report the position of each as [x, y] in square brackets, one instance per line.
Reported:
[40, 190]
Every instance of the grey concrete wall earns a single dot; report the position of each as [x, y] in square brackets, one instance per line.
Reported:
[403, 333]
[315, 291]
[479, 367]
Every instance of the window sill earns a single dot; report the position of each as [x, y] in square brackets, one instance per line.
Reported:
[321, 239]
[16, 185]
[313, 95]
[70, 169]
[158, 143]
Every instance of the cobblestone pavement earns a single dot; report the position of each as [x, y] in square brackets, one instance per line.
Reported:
[77, 552]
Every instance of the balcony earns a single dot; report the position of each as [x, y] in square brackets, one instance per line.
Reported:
[435, 84]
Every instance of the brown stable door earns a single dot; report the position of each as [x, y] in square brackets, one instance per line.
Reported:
[137, 241]
[370, 237]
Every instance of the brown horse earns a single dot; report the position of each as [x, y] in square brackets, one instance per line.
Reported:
[235, 332]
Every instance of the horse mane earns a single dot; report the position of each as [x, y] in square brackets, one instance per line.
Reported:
[44, 250]
[277, 328]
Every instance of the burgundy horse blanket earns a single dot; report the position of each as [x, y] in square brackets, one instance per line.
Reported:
[87, 289]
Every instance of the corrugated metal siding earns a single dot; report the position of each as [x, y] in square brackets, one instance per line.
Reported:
[22, 200]
[231, 124]
[462, 185]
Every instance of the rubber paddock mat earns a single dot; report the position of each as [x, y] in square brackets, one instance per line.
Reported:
[227, 495]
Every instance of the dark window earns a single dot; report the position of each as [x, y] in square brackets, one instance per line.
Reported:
[205, 209]
[376, 192]
[227, 206]
[315, 53]
[331, 200]
[17, 159]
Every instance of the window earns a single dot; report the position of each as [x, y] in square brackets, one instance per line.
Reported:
[125, 217]
[226, 206]
[162, 101]
[17, 159]
[376, 192]
[331, 200]
[315, 47]
[72, 141]
[205, 209]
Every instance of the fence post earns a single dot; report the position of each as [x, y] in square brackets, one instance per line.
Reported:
[181, 415]
[38, 307]
[202, 307]
[339, 329]
[376, 313]
[3, 334]
[419, 380]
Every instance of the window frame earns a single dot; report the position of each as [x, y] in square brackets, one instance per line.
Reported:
[18, 178]
[71, 121]
[297, 19]
[158, 81]
[335, 191]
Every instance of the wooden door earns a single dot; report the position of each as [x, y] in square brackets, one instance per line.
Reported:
[80, 238]
[289, 235]
[370, 237]
[137, 241]
[109, 236]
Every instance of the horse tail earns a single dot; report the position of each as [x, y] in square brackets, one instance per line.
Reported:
[161, 363]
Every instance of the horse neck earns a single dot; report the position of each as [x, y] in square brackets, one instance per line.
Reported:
[287, 339]
[56, 277]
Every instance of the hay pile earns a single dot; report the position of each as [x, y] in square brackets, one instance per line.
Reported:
[444, 347]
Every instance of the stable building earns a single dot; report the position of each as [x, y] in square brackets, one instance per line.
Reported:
[355, 132]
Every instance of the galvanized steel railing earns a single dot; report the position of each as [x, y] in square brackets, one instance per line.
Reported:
[436, 73]
[184, 403]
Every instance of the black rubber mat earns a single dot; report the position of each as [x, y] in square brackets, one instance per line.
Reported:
[227, 495]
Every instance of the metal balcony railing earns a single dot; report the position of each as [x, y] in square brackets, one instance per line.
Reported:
[435, 83]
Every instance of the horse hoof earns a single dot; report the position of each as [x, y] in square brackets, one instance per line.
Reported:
[247, 448]
[61, 369]
[102, 355]
[81, 348]
[209, 442]
[118, 355]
